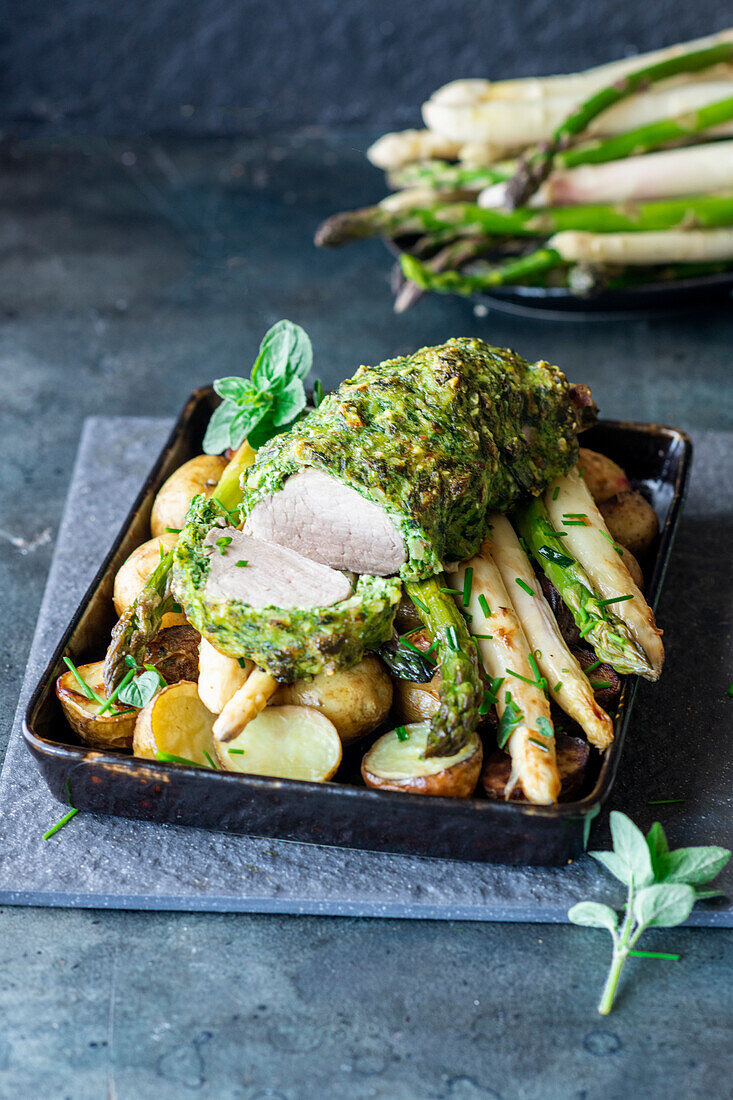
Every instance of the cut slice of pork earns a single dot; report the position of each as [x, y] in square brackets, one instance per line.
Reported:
[329, 522]
[274, 576]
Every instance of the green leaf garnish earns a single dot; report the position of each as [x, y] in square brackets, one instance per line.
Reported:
[544, 726]
[271, 400]
[510, 719]
[139, 691]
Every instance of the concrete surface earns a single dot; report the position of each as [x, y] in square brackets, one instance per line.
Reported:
[130, 274]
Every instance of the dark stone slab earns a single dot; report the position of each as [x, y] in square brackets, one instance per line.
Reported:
[677, 748]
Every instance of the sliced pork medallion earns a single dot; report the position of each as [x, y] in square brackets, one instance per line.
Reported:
[292, 616]
[331, 523]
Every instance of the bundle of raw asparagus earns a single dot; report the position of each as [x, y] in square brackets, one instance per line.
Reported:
[617, 176]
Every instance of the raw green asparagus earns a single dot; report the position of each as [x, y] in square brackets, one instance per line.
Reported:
[536, 164]
[609, 636]
[521, 270]
[460, 689]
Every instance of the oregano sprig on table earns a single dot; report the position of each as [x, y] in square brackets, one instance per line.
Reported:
[662, 885]
[270, 400]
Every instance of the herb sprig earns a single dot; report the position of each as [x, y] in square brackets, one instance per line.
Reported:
[271, 400]
[662, 887]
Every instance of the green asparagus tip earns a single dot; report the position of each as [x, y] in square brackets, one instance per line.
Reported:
[414, 270]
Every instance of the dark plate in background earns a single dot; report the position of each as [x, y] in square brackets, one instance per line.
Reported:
[341, 812]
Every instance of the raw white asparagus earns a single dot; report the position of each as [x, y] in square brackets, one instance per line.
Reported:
[219, 677]
[695, 170]
[663, 247]
[534, 763]
[568, 685]
[592, 545]
[506, 123]
[479, 154]
[246, 703]
[583, 83]
[394, 150]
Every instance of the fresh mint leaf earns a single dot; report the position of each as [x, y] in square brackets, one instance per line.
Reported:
[630, 844]
[594, 915]
[618, 867]
[232, 388]
[656, 842]
[663, 905]
[299, 347]
[290, 402]
[693, 866]
[218, 432]
[264, 431]
[141, 690]
[705, 895]
[510, 719]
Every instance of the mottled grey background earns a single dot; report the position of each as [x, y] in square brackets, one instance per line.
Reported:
[222, 66]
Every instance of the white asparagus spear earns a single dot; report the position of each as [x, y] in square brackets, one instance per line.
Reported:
[506, 123]
[219, 676]
[534, 764]
[662, 247]
[394, 150]
[695, 170]
[246, 703]
[568, 685]
[589, 541]
[584, 83]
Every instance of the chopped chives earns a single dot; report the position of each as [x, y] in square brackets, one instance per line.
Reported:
[408, 645]
[592, 667]
[223, 542]
[467, 616]
[452, 591]
[89, 692]
[524, 586]
[730, 691]
[60, 824]
[241, 563]
[418, 602]
[467, 585]
[520, 677]
[318, 392]
[615, 599]
[595, 684]
[488, 702]
[585, 631]
[173, 530]
[574, 523]
[539, 680]
[663, 801]
[615, 545]
[496, 684]
[402, 734]
[123, 683]
[557, 686]
[452, 638]
[236, 752]
[556, 492]
[211, 761]
[484, 605]
[241, 662]
[488, 637]
[550, 554]
[538, 744]
[171, 758]
[654, 955]
[575, 515]
[431, 647]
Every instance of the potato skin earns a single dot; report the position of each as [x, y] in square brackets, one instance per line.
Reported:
[174, 651]
[631, 520]
[458, 781]
[199, 475]
[133, 573]
[110, 731]
[602, 475]
[415, 702]
[633, 566]
[394, 764]
[356, 700]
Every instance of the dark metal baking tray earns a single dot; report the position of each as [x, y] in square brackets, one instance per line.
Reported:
[343, 812]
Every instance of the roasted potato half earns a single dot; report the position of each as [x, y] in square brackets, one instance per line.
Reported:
[356, 700]
[396, 762]
[111, 730]
[602, 475]
[415, 702]
[631, 520]
[174, 651]
[176, 722]
[285, 742]
[198, 475]
[133, 573]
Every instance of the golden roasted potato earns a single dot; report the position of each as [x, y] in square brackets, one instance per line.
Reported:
[174, 651]
[631, 520]
[176, 722]
[395, 762]
[407, 616]
[133, 573]
[111, 730]
[602, 475]
[198, 475]
[285, 742]
[356, 700]
[415, 702]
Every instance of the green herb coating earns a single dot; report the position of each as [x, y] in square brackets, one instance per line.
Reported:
[438, 440]
[289, 643]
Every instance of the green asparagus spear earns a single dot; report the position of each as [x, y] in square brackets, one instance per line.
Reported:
[522, 270]
[141, 621]
[453, 256]
[469, 220]
[460, 690]
[596, 621]
[535, 165]
[444, 176]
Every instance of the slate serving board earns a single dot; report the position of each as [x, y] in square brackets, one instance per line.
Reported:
[679, 746]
